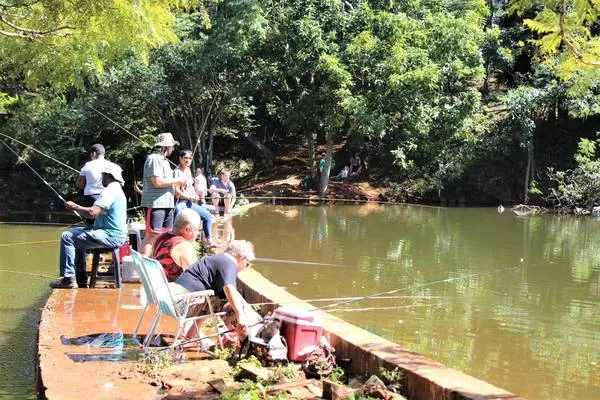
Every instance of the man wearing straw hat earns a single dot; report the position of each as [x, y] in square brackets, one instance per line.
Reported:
[110, 227]
[158, 196]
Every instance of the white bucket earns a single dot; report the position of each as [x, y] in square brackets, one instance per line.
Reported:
[128, 270]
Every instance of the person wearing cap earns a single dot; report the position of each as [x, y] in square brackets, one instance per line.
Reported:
[90, 177]
[158, 196]
[109, 229]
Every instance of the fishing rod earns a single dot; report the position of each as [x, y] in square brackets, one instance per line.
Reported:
[458, 278]
[127, 131]
[38, 175]
[37, 151]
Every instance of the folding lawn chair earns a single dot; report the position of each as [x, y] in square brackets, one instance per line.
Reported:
[178, 306]
[150, 297]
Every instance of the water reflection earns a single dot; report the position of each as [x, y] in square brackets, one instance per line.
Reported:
[529, 302]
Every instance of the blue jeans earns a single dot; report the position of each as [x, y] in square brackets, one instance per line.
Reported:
[205, 215]
[78, 240]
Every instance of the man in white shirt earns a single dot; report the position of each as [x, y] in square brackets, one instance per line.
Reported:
[90, 177]
[109, 230]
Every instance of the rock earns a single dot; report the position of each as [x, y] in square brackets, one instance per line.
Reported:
[334, 391]
[249, 371]
[374, 387]
[374, 381]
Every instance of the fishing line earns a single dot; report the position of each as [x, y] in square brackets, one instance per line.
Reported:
[343, 298]
[37, 151]
[38, 175]
[458, 278]
[275, 260]
[131, 134]
[23, 243]
[382, 308]
[28, 273]
[117, 124]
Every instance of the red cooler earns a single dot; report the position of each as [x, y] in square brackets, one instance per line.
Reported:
[301, 329]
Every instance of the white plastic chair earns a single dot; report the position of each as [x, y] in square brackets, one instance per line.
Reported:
[178, 306]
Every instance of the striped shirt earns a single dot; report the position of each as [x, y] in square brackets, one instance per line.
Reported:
[157, 165]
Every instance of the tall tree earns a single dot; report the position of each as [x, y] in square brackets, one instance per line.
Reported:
[568, 37]
[60, 43]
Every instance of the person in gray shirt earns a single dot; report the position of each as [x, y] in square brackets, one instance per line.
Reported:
[158, 194]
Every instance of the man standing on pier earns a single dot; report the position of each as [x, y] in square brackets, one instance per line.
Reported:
[90, 177]
[158, 197]
[110, 227]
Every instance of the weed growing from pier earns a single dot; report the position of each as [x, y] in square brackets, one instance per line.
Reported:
[337, 375]
[284, 373]
[153, 364]
[391, 378]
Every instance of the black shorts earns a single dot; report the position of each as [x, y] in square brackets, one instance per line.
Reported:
[159, 220]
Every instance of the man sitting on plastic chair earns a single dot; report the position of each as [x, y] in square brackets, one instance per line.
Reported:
[219, 273]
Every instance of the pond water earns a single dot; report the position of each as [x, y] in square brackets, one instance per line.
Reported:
[510, 300]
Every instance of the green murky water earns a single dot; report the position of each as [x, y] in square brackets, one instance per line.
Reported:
[510, 300]
[520, 307]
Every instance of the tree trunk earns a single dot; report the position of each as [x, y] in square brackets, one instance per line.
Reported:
[324, 180]
[264, 152]
[528, 171]
[311, 155]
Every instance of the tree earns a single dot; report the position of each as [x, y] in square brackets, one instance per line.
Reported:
[61, 43]
[567, 37]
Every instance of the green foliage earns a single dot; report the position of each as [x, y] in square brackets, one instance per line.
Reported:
[153, 364]
[579, 187]
[337, 375]
[567, 40]
[391, 377]
[252, 391]
[61, 43]
[282, 373]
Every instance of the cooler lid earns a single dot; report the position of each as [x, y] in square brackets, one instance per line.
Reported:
[294, 313]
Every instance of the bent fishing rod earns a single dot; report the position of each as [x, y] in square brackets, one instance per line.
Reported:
[37, 151]
[38, 175]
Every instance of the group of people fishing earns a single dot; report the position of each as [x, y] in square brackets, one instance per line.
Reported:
[175, 210]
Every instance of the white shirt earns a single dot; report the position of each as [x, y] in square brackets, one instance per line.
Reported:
[92, 170]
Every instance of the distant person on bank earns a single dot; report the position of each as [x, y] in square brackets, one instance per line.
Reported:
[187, 198]
[90, 177]
[109, 229]
[158, 197]
[219, 273]
[222, 191]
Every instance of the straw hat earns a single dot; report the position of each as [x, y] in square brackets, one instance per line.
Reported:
[165, 139]
[115, 171]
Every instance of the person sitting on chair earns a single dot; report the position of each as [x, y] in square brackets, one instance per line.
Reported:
[175, 249]
[222, 191]
[219, 273]
[109, 229]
